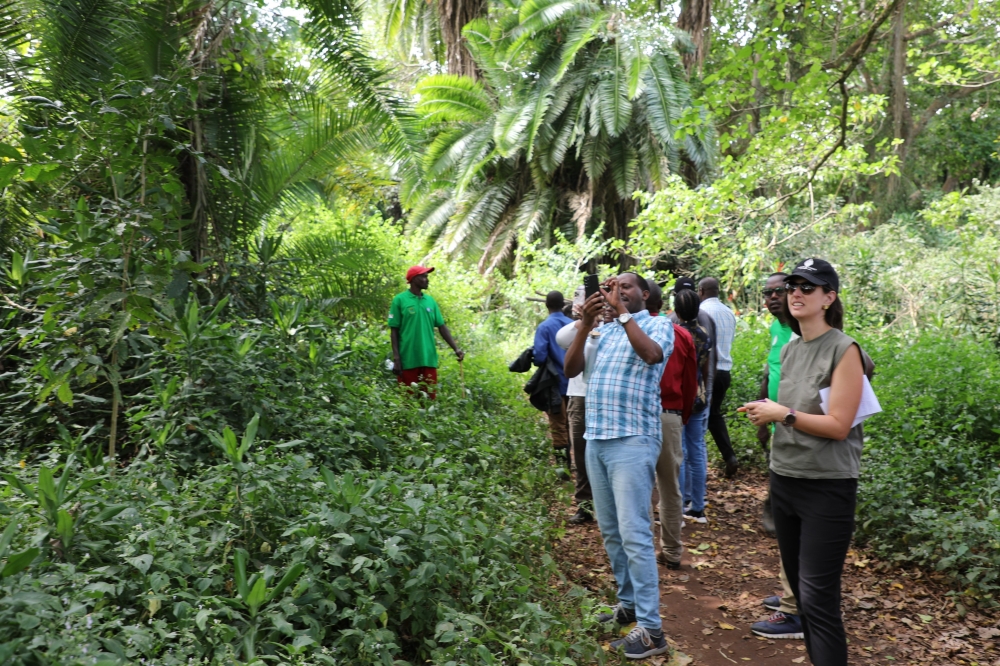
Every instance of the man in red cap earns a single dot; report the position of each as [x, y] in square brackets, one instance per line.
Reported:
[412, 318]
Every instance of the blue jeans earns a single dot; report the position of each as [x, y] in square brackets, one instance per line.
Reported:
[622, 472]
[694, 469]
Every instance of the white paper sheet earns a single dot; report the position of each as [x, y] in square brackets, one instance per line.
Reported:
[869, 402]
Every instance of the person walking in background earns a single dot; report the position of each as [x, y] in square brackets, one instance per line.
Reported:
[678, 390]
[784, 621]
[413, 315]
[816, 455]
[694, 467]
[576, 413]
[705, 322]
[623, 445]
[545, 348]
[725, 332]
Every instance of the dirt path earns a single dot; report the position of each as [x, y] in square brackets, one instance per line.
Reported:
[893, 616]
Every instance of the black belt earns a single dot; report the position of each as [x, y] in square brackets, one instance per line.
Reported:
[678, 412]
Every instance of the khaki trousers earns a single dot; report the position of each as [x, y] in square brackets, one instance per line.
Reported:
[789, 605]
[559, 427]
[577, 413]
[668, 469]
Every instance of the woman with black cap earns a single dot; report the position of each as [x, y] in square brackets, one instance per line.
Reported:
[816, 454]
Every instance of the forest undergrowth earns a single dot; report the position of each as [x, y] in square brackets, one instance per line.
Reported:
[391, 529]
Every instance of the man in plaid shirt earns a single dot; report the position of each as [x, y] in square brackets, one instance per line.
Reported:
[623, 444]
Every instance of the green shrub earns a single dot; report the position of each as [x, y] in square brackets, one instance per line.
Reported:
[930, 474]
[429, 544]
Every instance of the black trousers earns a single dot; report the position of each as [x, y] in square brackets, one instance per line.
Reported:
[716, 421]
[815, 521]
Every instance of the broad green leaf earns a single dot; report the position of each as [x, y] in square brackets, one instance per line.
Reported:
[240, 573]
[141, 562]
[7, 537]
[248, 437]
[290, 577]
[19, 562]
[110, 512]
[64, 527]
[14, 481]
[46, 484]
[65, 394]
[257, 595]
[7, 173]
[9, 151]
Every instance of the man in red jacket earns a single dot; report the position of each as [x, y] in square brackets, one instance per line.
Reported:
[678, 389]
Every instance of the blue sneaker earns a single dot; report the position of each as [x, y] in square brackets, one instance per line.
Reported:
[772, 603]
[641, 643]
[779, 625]
[619, 615]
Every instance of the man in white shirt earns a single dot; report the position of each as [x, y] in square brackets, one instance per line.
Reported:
[577, 414]
[725, 332]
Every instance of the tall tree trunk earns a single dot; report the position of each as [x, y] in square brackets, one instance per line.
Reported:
[696, 19]
[899, 112]
[454, 15]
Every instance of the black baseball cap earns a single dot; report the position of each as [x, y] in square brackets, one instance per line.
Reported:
[683, 283]
[817, 272]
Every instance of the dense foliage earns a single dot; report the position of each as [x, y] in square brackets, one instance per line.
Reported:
[205, 207]
[389, 528]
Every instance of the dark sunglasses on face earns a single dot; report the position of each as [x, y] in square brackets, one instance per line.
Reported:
[780, 291]
[804, 287]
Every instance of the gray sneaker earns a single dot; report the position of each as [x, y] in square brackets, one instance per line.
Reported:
[641, 643]
[619, 614]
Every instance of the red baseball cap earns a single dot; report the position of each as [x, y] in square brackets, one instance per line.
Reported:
[417, 270]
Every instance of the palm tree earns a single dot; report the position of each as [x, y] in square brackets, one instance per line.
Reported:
[425, 25]
[579, 107]
[255, 128]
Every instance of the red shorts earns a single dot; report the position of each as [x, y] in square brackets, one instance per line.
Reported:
[426, 376]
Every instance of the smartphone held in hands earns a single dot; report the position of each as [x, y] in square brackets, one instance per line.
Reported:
[591, 285]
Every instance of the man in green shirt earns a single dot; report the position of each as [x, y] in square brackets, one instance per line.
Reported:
[413, 316]
[781, 333]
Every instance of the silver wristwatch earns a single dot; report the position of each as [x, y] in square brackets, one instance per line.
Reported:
[624, 318]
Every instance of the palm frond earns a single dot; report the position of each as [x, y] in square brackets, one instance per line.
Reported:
[663, 99]
[477, 214]
[580, 34]
[624, 163]
[333, 32]
[534, 215]
[512, 121]
[537, 15]
[613, 103]
[452, 98]
[79, 40]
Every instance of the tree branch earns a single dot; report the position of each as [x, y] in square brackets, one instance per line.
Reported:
[15, 305]
[853, 54]
[942, 102]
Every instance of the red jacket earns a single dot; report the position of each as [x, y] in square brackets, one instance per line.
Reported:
[679, 384]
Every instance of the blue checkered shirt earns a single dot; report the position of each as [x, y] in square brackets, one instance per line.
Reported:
[725, 331]
[623, 391]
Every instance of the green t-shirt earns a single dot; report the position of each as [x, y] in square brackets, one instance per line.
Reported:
[780, 335]
[416, 317]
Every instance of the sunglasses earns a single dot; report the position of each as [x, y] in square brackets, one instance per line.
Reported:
[777, 290]
[805, 287]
